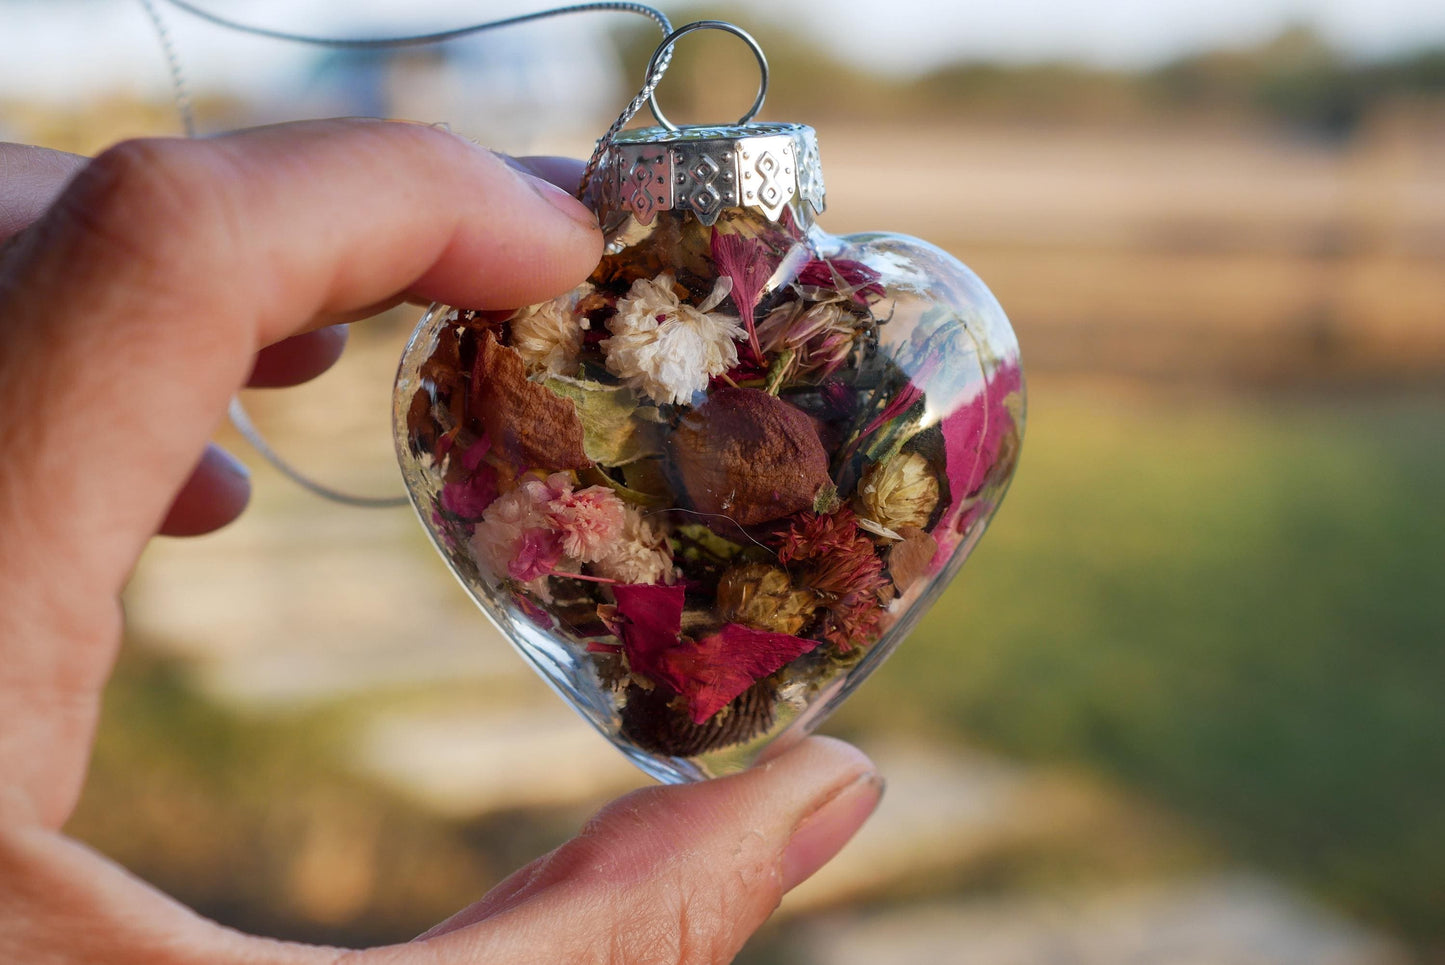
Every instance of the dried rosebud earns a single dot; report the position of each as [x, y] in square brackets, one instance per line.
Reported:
[762, 596]
[899, 492]
[749, 456]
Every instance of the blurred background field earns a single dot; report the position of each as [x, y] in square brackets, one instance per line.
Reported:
[1184, 703]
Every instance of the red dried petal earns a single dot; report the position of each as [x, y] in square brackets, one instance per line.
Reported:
[711, 672]
[649, 620]
[852, 278]
[708, 673]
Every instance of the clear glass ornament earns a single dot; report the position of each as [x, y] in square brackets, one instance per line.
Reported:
[709, 491]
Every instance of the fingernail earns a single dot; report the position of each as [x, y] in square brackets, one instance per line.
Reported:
[560, 199]
[224, 461]
[823, 833]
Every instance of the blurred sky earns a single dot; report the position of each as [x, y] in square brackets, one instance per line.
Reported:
[58, 46]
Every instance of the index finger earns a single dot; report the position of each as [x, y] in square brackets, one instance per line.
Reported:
[132, 310]
[138, 302]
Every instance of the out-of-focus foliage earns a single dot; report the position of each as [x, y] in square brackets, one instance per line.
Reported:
[1299, 79]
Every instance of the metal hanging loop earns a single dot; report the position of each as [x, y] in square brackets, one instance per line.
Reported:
[665, 50]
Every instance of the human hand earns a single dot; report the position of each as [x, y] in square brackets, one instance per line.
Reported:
[163, 277]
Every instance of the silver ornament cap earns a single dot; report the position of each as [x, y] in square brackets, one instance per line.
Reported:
[706, 170]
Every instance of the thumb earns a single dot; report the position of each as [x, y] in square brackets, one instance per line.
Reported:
[674, 874]
[30, 179]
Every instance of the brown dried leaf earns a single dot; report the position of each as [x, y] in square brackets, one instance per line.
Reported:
[911, 559]
[532, 425]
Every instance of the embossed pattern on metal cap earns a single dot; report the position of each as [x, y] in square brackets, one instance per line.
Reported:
[706, 170]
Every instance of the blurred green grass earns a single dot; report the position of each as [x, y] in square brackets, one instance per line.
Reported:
[1232, 605]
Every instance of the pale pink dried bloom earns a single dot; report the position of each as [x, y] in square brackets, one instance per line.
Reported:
[543, 527]
[515, 537]
[589, 521]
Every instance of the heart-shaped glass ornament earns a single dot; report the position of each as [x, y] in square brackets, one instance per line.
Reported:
[710, 490]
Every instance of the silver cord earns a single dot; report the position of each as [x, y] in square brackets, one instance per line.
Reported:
[413, 40]
[661, 60]
[179, 90]
[240, 419]
[241, 422]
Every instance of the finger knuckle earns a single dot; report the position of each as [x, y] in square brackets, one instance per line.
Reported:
[142, 200]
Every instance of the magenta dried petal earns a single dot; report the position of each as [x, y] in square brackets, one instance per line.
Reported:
[469, 498]
[973, 435]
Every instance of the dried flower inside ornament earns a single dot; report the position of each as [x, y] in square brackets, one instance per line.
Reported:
[708, 491]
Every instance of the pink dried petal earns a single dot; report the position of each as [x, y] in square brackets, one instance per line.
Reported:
[533, 612]
[537, 554]
[746, 262]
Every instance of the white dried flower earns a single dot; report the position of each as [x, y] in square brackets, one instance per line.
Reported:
[548, 335]
[668, 350]
[640, 554]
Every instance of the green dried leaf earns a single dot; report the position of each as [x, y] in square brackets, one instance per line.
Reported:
[778, 373]
[615, 429]
[596, 477]
[827, 500]
[706, 539]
